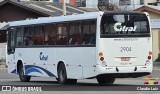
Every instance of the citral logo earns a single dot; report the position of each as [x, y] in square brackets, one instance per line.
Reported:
[42, 57]
[118, 27]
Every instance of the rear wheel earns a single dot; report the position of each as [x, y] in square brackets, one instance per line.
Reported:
[103, 79]
[23, 78]
[57, 79]
[62, 76]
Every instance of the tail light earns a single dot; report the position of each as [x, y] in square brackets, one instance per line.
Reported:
[101, 58]
[100, 54]
[149, 57]
[150, 53]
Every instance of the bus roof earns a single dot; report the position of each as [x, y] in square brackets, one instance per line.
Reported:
[124, 12]
[89, 15]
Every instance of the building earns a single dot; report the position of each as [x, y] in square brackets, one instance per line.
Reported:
[22, 10]
[154, 12]
[122, 4]
[13, 10]
[130, 4]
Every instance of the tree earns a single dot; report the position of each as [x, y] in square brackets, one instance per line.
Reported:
[104, 5]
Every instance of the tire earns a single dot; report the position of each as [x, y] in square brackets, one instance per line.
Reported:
[104, 80]
[23, 78]
[62, 76]
[57, 79]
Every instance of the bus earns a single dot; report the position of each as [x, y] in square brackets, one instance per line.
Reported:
[101, 45]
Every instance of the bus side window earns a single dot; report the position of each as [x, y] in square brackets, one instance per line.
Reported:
[38, 40]
[74, 33]
[50, 37]
[61, 34]
[50, 40]
[29, 41]
[19, 36]
[92, 39]
[28, 36]
[89, 32]
[85, 39]
[39, 35]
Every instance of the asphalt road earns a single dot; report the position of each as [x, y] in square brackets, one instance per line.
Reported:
[11, 79]
[82, 85]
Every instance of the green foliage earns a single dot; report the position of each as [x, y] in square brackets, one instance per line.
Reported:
[158, 59]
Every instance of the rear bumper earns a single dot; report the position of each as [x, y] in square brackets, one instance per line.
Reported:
[126, 75]
[124, 72]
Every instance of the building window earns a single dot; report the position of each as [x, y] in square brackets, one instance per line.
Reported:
[39, 0]
[101, 1]
[104, 5]
[124, 2]
[81, 3]
[158, 0]
[141, 2]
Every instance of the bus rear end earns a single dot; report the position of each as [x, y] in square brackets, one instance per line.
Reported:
[125, 45]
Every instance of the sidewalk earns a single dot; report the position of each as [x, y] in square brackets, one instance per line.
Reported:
[3, 64]
[156, 68]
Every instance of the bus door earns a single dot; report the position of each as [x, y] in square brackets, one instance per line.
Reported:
[11, 49]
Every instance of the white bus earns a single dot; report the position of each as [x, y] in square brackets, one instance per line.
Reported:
[101, 45]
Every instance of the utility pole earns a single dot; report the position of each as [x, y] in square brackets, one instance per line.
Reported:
[133, 4]
[64, 7]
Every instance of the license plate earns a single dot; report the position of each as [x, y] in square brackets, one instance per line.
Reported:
[125, 58]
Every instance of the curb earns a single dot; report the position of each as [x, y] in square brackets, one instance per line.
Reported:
[2, 63]
[3, 66]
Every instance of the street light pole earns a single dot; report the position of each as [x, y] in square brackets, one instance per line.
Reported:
[64, 7]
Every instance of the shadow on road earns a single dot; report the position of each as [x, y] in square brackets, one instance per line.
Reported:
[78, 84]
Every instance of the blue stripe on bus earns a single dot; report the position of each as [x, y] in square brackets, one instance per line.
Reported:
[30, 70]
[46, 71]
[35, 70]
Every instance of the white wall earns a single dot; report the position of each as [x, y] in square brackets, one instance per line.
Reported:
[91, 3]
[2, 50]
[149, 1]
[24, 0]
[134, 4]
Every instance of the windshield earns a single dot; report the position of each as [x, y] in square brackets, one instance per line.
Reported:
[125, 25]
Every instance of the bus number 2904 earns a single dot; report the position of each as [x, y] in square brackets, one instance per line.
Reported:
[125, 49]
